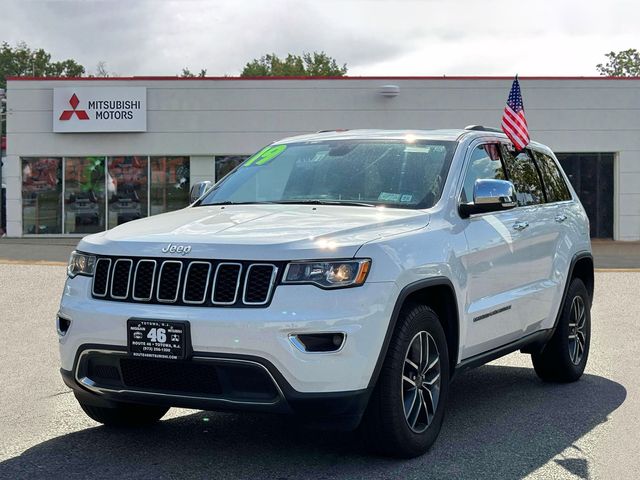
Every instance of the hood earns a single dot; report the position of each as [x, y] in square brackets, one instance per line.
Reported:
[256, 232]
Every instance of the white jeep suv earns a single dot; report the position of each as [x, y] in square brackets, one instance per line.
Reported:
[343, 277]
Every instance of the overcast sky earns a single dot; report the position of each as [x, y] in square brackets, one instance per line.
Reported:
[374, 37]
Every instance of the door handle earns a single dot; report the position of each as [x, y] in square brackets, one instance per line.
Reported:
[520, 225]
[561, 218]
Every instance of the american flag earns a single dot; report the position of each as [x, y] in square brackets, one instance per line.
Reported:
[513, 122]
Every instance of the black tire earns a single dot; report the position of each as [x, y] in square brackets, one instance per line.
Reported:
[385, 425]
[125, 414]
[557, 361]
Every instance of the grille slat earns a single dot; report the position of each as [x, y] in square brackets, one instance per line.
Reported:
[101, 277]
[169, 281]
[257, 287]
[185, 282]
[121, 278]
[144, 279]
[226, 283]
[196, 282]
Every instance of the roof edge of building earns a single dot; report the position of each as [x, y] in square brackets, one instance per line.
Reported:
[173, 78]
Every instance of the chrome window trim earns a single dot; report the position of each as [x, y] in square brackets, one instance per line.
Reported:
[89, 384]
[115, 265]
[93, 284]
[153, 278]
[175, 298]
[274, 273]
[215, 280]
[186, 280]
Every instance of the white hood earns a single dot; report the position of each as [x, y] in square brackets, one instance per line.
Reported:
[256, 232]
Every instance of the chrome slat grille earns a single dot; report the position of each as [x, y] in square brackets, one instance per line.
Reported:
[185, 282]
[121, 278]
[226, 283]
[260, 277]
[169, 281]
[101, 277]
[196, 283]
[143, 280]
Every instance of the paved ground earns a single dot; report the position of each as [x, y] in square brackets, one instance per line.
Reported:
[502, 422]
[607, 254]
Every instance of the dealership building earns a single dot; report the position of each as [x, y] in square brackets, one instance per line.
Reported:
[84, 155]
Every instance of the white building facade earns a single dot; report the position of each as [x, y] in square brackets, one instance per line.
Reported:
[84, 155]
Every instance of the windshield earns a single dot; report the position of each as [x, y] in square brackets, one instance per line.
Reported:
[345, 172]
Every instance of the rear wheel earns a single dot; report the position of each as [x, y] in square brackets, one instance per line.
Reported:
[564, 357]
[406, 409]
[125, 414]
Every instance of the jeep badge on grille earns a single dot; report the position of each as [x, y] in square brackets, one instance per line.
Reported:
[181, 249]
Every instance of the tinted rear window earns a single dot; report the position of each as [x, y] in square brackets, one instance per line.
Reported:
[556, 188]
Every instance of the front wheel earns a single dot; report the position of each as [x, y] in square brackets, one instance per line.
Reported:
[125, 414]
[564, 357]
[407, 406]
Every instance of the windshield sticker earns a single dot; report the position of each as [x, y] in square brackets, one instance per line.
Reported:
[389, 197]
[265, 155]
[406, 198]
[416, 149]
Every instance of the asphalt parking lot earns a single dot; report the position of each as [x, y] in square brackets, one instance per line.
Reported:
[502, 422]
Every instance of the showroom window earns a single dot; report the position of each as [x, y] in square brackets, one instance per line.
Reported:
[41, 195]
[226, 163]
[127, 186]
[84, 199]
[169, 184]
[81, 195]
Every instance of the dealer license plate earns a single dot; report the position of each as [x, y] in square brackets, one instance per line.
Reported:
[157, 339]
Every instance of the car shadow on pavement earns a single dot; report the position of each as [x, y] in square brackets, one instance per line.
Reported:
[502, 422]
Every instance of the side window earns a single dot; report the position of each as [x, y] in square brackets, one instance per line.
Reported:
[524, 175]
[556, 188]
[484, 164]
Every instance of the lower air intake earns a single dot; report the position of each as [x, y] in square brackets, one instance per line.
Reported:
[178, 377]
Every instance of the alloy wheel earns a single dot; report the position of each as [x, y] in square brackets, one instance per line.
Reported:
[577, 330]
[421, 381]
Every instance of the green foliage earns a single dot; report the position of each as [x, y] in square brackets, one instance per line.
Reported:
[621, 64]
[20, 61]
[186, 73]
[308, 65]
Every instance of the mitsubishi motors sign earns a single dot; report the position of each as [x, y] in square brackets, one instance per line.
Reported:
[99, 109]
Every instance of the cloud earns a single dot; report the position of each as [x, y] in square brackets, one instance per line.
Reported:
[374, 37]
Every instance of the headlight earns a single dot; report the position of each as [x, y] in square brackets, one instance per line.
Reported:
[347, 273]
[81, 264]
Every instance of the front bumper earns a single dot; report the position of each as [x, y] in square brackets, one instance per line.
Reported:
[231, 383]
[361, 313]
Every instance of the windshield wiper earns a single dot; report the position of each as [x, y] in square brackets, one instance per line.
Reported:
[326, 202]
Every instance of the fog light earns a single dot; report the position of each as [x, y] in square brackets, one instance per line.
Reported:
[62, 325]
[318, 342]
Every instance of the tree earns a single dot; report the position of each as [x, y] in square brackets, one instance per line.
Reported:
[101, 69]
[316, 64]
[186, 73]
[621, 64]
[22, 61]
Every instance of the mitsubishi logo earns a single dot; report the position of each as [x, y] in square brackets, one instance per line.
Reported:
[67, 114]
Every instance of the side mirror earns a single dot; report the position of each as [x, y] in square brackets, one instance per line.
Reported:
[490, 195]
[198, 189]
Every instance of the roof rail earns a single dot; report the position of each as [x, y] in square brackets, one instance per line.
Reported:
[333, 130]
[482, 128]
